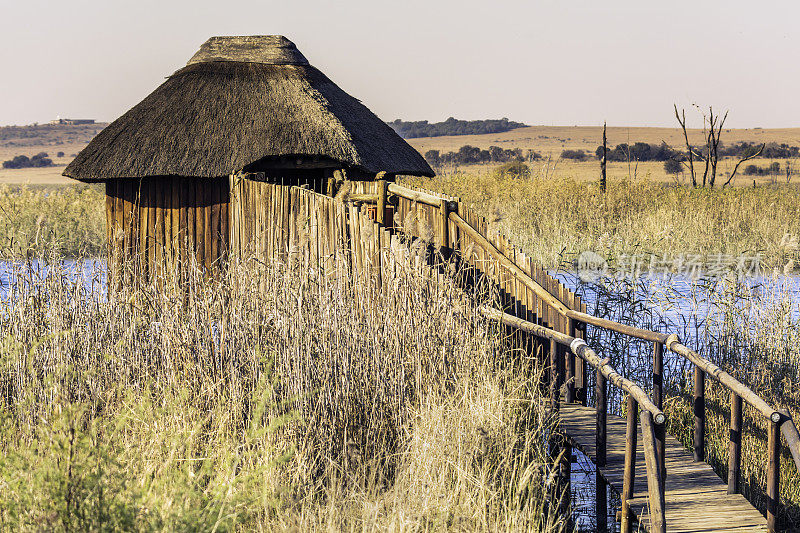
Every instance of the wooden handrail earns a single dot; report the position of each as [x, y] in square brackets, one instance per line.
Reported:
[501, 258]
[671, 341]
[724, 378]
[582, 350]
[650, 416]
[631, 331]
[415, 196]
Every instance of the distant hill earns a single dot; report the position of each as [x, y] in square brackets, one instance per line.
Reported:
[48, 134]
[452, 126]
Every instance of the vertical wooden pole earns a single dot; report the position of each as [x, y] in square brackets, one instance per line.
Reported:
[444, 209]
[565, 485]
[773, 474]
[144, 225]
[735, 445]
[601, 405]
[699, 409]
[658, 400]
[175, 218]
[655, 493]
[582, 368]
[152, 199]
[208, 230]
[160, 200]
[580, 379]
[555, 366]
[225, 219]
[382, 191]
[199, 224]
[602, 411]
[570, 378]
[630, 464]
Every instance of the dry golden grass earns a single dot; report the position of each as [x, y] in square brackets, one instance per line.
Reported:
[267, 399]
[553, 219]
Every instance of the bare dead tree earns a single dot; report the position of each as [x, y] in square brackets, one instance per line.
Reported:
[682, 121]
[712, 132]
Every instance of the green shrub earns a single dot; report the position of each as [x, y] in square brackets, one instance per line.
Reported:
[515, 169]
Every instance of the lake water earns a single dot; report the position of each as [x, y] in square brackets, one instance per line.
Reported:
[91, 273]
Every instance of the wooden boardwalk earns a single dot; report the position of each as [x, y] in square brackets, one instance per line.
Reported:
[696, 498]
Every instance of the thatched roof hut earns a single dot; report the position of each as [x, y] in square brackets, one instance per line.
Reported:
[243, 103]
[250, 107]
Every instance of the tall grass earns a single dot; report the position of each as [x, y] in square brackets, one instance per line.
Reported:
[72, 218]
[264, 398]
[553, 217]
[749, 330]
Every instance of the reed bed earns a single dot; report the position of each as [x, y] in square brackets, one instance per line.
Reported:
[554, 218]
[35, 218]
[748, 327]
[265, 397]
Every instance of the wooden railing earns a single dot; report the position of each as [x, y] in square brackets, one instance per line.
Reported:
[651, 417]
[364, 232]
[779, 420]
[568, 321]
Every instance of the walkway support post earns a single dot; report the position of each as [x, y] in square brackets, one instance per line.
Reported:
[655, 492]
[773, 473]
[658, 400]
[735, 446]
[381, 207]
[600, 443]
[556, 379]
[630, 464]
[444, 209]
[570, 377]
[699, 409]
[565, 475]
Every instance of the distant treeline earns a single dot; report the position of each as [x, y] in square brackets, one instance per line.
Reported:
[452, 126]
[470, 155]
[22, 161]
[662, 152]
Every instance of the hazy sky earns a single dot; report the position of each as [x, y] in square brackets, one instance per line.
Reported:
[568, 62]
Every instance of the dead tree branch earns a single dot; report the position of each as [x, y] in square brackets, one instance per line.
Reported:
[742, 160]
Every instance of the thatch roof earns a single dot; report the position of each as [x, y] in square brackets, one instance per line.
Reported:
[240, 100]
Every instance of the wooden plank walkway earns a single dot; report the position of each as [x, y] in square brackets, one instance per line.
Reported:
[696, 498]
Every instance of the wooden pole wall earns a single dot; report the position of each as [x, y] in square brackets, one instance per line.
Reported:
[156, 225]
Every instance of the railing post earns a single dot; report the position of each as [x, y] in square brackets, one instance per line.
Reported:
[655, 488]
[556, 376]
[381, 207]
[565, 477]
[444, 209]
[630, 463]
[602, 410]
[773, 473]
[600, 444]
[570, 377]
[699, 409]
[658, 400]
[735, 446]
[580, 369]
